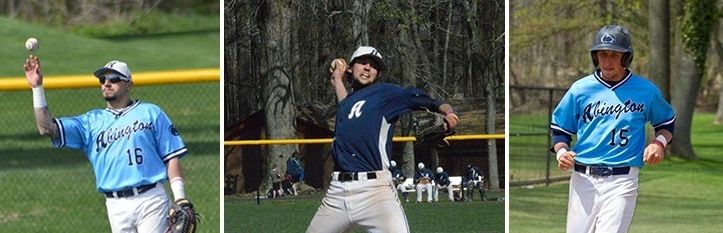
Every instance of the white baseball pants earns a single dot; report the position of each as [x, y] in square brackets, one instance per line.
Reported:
[447, 187]
[602, 203]
[143, 213]
[372, 205]
[422, 187]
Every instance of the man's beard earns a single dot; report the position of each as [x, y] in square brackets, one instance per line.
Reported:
[110, 98]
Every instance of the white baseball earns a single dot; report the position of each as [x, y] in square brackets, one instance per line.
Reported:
[31, 44]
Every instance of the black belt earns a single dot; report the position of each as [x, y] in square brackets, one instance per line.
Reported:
[602, 170]
[129, 191]
[351, 176]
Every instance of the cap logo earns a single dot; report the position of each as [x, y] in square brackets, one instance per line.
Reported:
[110, 64]
[607, 39]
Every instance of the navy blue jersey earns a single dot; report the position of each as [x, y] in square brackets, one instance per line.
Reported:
[397, 173]
[365, 122]
[441, 178]
[424, 172]
[474, 173]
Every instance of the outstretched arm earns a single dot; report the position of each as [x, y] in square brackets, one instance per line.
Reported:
[43, 118]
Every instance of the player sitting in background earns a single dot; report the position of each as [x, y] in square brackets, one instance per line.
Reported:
[424, 180]
[475, 180]
[132, 145]
[441, 181]
[399, 178]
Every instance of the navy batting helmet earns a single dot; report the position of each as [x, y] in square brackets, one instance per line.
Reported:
[614, 38]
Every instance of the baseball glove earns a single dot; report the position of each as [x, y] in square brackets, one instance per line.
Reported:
[431, 130]
[424, 180]
[182, 217]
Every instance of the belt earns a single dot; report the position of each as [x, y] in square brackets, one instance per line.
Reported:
[129, 192]
[351, 176]
[601, 170]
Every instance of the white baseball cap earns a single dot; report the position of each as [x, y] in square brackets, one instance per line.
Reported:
[368, 51]
[440, 170]
[116, 67]
[420, 165]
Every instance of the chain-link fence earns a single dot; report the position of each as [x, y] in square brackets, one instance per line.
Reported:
[530, 159]
[53, 190]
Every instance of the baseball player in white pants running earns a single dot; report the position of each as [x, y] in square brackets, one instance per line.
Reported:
[608, 111]
[361, 193]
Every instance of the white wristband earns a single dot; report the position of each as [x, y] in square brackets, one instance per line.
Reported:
[39, 97]
[177, 188]
[662, 139]
[560, 153]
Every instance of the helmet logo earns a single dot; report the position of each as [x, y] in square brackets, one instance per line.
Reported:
[607, 39]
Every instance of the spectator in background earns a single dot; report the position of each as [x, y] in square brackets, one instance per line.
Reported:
[295, 172]
[441, 180]
[474, 180]
[276, 189]
[424, 180]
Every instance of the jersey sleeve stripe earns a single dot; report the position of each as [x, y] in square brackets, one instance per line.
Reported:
[556, 127]
[61, 133]
[178, 153]
[667, 122]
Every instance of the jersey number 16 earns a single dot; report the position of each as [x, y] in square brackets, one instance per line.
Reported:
[137, 154]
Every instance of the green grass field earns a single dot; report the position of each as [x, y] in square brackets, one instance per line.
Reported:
[50, 190]
[294, 214]
[675, 196]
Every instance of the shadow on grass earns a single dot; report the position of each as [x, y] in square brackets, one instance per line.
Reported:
[158, 35]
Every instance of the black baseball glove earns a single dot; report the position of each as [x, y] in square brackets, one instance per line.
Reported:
[431, 129]
[182, 217]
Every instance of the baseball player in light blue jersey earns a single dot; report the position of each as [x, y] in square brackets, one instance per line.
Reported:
[132, 146]
[361, 193]
[608, 111]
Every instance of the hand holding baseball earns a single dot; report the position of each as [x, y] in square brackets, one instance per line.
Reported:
[566, 160]
[337, 68]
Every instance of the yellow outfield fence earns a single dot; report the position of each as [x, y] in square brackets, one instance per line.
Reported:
[139, 79]
[328, 140]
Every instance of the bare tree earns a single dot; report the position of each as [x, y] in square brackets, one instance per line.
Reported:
[659, 40]
[278, 94]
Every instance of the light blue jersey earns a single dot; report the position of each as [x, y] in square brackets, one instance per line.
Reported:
[127, 148]
[610, 120]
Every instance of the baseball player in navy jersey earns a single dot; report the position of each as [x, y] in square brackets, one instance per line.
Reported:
[399, 178]
[441, 181]
[361, 193]
[474, 180]
[131, 145]
[608, 111]
[424, 180]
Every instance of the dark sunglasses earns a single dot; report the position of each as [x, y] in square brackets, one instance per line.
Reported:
[113, 78]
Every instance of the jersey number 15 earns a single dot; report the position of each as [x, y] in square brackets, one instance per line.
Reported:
[622, 134]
